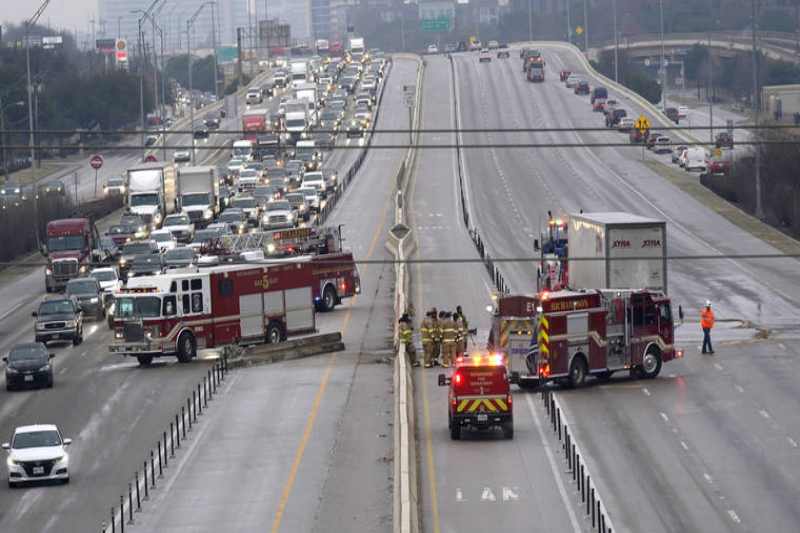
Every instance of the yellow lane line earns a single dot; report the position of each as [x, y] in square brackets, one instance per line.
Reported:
[312, 417]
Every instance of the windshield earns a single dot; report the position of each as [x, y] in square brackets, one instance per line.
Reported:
[279, 206]
[295, 199]
[161, 237]
[312, 177]
[177, 220]
[198, 198]
[143, 306]
[120, 230]
[134, 248]
[82, 286]
[179, 254]
[104, 275]
[36, 439]
[245, 203]
[242, 150]
[144, 199]
[60, 307]
[115, 182]
[248, 174]
[230, 217]
[65, 242]
[296, 123]
[27, 352]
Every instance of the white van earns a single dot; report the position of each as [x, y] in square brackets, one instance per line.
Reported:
[694, 158]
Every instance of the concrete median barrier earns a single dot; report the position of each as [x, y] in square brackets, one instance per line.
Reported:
[264, 354]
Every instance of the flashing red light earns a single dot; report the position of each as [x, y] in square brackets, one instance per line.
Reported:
[509, 399]
[457, 378]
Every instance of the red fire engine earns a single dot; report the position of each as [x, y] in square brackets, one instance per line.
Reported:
[479, 395]
[334, 270]
[590, 332]
[179, 313]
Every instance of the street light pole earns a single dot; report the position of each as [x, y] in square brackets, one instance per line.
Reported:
[530, 20]
[616, 43]
[214, 44]
[189, 24]
[662, 66]
[710, 89]
[586, 26]
[569, 23]
[757, 110]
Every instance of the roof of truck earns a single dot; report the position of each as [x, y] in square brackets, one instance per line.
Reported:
[616, 217]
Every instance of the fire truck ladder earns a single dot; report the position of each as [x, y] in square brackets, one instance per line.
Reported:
[247, 242]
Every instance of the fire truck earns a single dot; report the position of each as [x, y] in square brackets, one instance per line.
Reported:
[575, 334]
[175, 314]
[479, 395]
[334, 271]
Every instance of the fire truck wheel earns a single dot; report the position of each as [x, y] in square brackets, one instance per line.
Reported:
[328, 298]
[145, 360]
[508, 429]
[274, 333]
[455, 431]
[651, 364]
[187, 347]
[577, 371]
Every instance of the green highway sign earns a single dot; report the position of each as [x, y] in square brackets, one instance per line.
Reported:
[440, 24]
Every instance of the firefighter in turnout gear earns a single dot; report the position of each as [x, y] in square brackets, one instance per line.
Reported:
[437, 335]
[449, 337]
[407, 338]
[426, 332]
[463, 328]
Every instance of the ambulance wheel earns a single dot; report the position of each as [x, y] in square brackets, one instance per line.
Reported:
[508, 429]
[651, 363]
[144, 360]
[577, 371]
[274, 333]
[187, 347]
[455, 431]
[328, 298]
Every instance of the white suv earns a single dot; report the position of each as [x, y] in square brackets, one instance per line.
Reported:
[37, 453]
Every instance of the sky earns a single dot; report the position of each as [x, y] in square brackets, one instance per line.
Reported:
[68, 14]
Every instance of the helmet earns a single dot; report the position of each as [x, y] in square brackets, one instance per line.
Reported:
[708, 303]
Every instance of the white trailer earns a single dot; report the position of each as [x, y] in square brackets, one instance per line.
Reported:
[151, 191]
[298, 72]
[614, 238]
[198, 194]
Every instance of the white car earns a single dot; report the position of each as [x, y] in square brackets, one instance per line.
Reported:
[249, 205]
[165, 239]
[278, 215]
[484, 56]
[493, 45]
[108, 277]
[625, 124]
[180, 226]
[235, 165]
[182, 156]
[682, 111]
[572, 81]
[312, 194]
[249, 178]
[433, 49]
[37, 453]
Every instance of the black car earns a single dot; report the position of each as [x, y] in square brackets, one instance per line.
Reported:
[236, 219]
[89, 295]
[724, 140]
[133, 249]
[59, 319]
[28, 364]
[211, 122]
[201, 132]
[613, 118]
[582, 87]
[672, 114]
[52, 188]
[146, 265]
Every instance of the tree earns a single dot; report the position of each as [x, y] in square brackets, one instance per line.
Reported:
[202, 71]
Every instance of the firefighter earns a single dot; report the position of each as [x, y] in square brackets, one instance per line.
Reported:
[461, 335]
[448, 339]
[462, 320]
[707, 323]
[407, 338]
[426, 332]
[437, 335]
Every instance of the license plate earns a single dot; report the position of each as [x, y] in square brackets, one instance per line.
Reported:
[28, 378]
[57, 336]
[483, 418]
[38, 470]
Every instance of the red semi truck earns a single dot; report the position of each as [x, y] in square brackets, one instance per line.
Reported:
[69, 248]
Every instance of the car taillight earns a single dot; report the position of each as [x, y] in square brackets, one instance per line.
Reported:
[509, 399]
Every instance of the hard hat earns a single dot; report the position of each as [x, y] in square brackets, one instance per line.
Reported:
[708, 303]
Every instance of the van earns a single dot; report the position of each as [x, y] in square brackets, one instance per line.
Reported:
[694, 158]
[599, 92]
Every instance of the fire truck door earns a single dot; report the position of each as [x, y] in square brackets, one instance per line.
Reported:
[299, 309]
[251, 315]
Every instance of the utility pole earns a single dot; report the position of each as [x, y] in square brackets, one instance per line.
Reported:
[757, 110]
[710, 89]
[214, 45]
[530, 20]
[663, 66]
[569, 23]
[189, 24]
[616, 43]
[586, 26]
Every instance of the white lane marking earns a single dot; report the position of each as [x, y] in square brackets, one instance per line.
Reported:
[792, 442]
[460, 496]
[664, 416]
[764, 414]
[718, 366]
[510, 494]
[739, 388]
[645, 391]
[708, 477]
[684, 446]
[734, 516]
[556, 473]
[62, 371]
[487, 495]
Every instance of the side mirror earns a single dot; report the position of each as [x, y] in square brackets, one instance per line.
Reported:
[5, 359]
[67, 442]
[443, 380]
[6, 446]
[536, 247]
[680, 312]
[34, 314]
[52, 355]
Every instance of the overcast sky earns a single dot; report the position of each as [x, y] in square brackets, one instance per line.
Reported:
[68, 14]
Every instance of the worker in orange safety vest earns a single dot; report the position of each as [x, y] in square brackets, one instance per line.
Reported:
[707, 323]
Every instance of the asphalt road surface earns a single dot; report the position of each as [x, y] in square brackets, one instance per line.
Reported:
[686, 452]
[307, 445]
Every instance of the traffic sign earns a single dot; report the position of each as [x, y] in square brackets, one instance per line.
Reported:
[642, 124]
[96, 161]
[579, 30]
[717, 152]
[434, 25]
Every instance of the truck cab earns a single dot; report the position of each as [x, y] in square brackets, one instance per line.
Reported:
[479, 394]
[70, 247]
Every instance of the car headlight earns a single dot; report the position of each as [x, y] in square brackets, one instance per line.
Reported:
[40, 326]
[63, 459]
[48, 271]
[10, 370]
[122, 261]
[157, 218]
[118, 335]
[83, 269]
[208, 214]
[290, 217]
[94, 300]
[10, 461]
[70, 323]
[45, 368]
[270, 248]
[122, 189]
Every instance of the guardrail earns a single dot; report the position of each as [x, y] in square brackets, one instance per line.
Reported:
[743, 35]
[405, 516]
[592, 504]
[145, 481]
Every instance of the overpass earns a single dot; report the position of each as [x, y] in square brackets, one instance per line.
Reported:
[779, 46]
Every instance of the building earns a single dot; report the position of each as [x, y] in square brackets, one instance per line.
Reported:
[296, 13]
[321, 19]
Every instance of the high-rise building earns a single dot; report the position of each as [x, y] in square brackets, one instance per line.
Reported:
[321, 19]
[296, 13]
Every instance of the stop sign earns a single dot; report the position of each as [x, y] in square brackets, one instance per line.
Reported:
[96, 161]
[150, 159]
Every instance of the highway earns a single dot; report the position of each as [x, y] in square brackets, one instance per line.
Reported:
[686, 452]
[307, 445]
